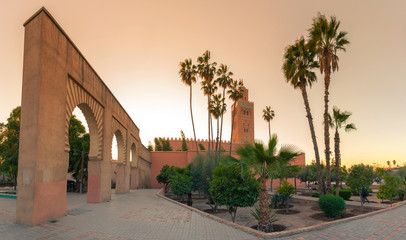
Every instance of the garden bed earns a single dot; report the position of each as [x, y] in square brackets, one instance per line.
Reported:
[303, 213]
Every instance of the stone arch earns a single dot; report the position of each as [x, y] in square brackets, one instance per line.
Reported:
[93, 112]
[120, 132]
[133, 155]
[120, 147]
[133, 164]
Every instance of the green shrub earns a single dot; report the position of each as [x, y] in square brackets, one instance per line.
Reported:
[390, 188]
[273, 216]
[332, 206]
[233, 188]
[286, 190]
[165, 176]
[275, 200]
[345, 194]
[316, 195]
[181, 184]
[401, 194]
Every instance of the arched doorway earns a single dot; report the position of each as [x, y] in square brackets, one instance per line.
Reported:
[134, 166]
[83, 142]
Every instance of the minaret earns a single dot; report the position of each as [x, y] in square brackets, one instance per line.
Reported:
[243, 131]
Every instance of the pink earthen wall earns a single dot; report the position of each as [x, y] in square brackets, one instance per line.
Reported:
[176, 144]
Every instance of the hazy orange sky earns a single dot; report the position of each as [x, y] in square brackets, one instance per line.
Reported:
[136, 46]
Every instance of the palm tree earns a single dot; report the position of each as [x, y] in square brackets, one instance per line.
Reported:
[326, 41]
[261, 161]
[338, 121]
[235, 94]
[268, 115]
[188, 73]
[206, 71]
[209, 88]
[298, 68]
[224, 80]
[217, 109]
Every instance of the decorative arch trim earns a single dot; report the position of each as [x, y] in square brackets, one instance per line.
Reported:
[76, 96]
[118, 127]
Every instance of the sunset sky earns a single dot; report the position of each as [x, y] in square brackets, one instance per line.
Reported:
[136, 47]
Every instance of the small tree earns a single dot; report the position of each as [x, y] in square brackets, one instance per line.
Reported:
[150, 147]
[233, 188]
[402, 173]
[389, 189]
[201, 170]
[184, 144]
[308, 174]
[286, 190]
[165, 176]
[158, 146]
[359, 176]
[181, 184]
[201, 147]
[9, 145]
[166, 146]
[379, 173]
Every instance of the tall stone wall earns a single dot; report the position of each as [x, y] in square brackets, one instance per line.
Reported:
[176, 144]
[56, 79]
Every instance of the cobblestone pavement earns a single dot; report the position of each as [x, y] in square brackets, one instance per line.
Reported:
[143, 215]
[390, 224]
[137, 215]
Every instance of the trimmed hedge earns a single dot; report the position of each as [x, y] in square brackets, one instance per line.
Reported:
[316, 195]
[345, 194]
[332, 206]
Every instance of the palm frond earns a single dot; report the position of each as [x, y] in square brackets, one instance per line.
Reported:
[350, 127]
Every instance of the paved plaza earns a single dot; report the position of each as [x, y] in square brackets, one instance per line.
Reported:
[143, 215]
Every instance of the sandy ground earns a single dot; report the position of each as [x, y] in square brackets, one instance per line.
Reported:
[307, 212]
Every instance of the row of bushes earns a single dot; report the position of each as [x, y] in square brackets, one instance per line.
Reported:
[343, 193]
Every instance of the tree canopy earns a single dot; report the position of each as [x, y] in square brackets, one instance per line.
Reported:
[9, 144]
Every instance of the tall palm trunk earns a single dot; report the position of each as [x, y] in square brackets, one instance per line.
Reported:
[232, 127]
[217, 138]
[191, 115]
[212, 135]
[338, 159]
[208, 119]
[269, 128]
[222, 113]
[313, 134]
[265, 224]
[326, 127]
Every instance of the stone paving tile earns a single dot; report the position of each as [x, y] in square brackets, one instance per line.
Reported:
[137, 215]
[142, 215]
[388, 225]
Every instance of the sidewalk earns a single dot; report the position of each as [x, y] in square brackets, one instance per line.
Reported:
[139, 214]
